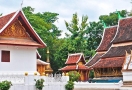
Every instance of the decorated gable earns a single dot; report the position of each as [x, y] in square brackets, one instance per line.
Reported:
[16, 30]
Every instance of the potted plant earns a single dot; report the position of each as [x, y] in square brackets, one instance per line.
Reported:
[5, 85]
[39, 83]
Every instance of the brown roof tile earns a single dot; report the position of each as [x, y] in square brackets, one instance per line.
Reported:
[117, 51]
[124, 32]
[109, 34]
[110, 62]
[95, 58]
[73, 58]
[4, 19]
[67, 68]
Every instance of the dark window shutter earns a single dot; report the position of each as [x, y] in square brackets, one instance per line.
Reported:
[5, 56]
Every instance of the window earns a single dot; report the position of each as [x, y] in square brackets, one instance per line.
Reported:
[5, 56]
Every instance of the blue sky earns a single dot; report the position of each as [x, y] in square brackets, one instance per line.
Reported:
[66, 8]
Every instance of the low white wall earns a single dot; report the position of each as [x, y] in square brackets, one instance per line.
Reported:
[21, 82]
[84, 85]
[127, 75]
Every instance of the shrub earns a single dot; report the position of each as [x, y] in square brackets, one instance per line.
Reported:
[39, 84]
[5, 85]
[74, 76]
[69, 85]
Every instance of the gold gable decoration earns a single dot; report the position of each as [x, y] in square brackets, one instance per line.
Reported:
[16, 30]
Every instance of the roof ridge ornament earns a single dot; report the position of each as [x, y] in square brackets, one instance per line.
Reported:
[104, 25]
[119, 16]
[21, 4]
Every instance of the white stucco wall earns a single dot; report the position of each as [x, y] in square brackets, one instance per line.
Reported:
[22, 59]
[127, 75]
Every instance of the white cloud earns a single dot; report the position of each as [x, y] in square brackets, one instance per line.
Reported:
[66, 8]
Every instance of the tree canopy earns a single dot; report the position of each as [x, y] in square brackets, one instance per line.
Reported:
[84, 36]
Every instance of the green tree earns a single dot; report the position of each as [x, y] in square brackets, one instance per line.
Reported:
[44, 25]
[78, 32]
[112, 18]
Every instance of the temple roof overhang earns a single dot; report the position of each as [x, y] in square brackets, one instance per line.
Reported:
[40, 62]
[118, 51]
[74, 67]
[109, 62]
[94, 59]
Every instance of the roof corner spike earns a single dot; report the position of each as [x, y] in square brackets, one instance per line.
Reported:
[104, 24]
[119, 16]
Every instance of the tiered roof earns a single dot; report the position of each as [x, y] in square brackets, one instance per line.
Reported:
[72, 62]
[115, 56]
[108, 35]
[16, 30]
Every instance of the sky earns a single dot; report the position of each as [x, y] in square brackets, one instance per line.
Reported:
[66, 8]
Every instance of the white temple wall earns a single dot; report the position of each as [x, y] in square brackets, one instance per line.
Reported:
[127, 75]
[22, 59]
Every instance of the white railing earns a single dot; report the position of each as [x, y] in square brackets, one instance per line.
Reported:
[22, 82]
[14, 78]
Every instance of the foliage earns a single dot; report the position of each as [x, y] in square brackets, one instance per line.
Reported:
[112, 18]
[84, 37]
[39, 83]
[1, 14]
[77, 37]
[5, 85]
[91, 74]
[69, 85]
[74, 76]
[43, 24]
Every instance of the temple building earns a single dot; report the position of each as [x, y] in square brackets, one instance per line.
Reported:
[111, 62]
[76, 62]
[108, 35]
[18, 44]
